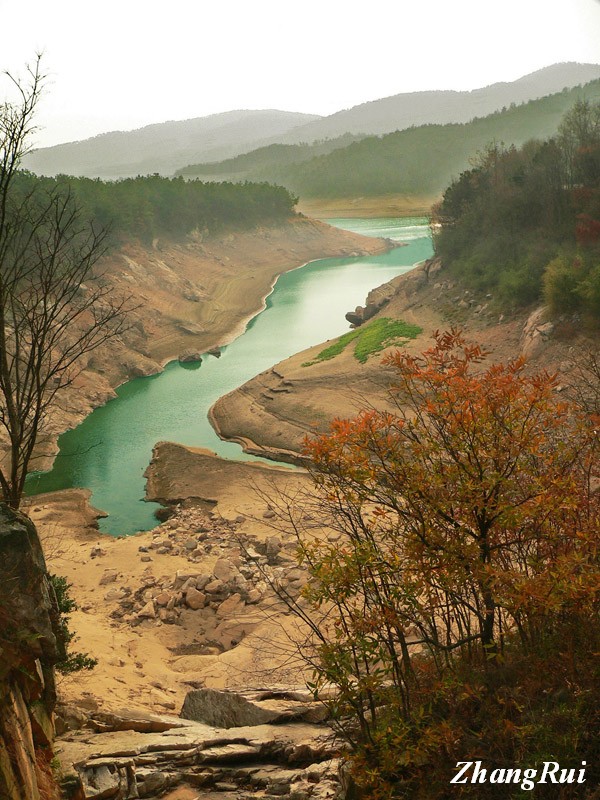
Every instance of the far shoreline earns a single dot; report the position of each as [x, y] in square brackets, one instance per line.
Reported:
[391, 206]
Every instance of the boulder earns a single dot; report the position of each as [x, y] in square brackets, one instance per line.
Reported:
[195, 599]
[223, 709]
[104, 781]
[214, 587]
[355, 317]
[108, 576]
[273, 548]
[254, 596]
[376, 300]
[232, 605]
[536, 333]
[224, 570]
[181, 578]
[202, 581]
[190, 357]
[162, 599]
[147, 611]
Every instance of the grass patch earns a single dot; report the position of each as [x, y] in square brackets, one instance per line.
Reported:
[334, 349]
[370, 339]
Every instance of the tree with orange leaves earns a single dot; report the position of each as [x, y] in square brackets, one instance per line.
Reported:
[468, 533]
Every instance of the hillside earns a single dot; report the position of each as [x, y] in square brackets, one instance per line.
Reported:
[165, 146]
[421, 160]
[263, 159]
[169, 146]
[518, 230]
[421, 108]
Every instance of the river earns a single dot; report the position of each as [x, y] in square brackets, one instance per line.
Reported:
[109, 451]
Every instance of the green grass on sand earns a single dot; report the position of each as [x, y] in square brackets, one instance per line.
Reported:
[370, 339]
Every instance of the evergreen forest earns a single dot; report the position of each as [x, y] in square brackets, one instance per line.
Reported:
[150, 206]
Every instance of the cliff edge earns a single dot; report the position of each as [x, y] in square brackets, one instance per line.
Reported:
[29, 648]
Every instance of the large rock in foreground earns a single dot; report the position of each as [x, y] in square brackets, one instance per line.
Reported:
[127, 760]
[232, 710]
[28, 650]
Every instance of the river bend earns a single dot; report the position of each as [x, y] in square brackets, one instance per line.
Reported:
[109, 451]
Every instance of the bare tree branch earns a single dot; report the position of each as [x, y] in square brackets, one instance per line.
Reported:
[55, 306]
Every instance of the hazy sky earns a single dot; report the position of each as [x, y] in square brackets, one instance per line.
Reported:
[121, 64]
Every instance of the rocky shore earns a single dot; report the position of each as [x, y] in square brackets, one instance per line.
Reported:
[195, 604]
[273, 747]
[199, 689]
[198, 692]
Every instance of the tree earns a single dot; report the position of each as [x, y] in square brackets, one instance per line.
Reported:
[579, 136]
[468, 528]
[54, 305]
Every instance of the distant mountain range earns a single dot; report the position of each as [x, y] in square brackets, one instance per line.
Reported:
[165, 146]
[421, 108]
[170, 146]
[419, 160]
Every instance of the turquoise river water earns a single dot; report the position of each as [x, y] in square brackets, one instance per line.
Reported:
[109, 451]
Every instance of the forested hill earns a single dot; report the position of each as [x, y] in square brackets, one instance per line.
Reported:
[420, 160]
[524, 223]
[143, 208]
[169, 146]
[264, 159]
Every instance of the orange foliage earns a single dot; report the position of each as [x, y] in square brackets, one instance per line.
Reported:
[470, 533]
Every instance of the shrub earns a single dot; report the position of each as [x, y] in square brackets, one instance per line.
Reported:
[456, 612]
[74, 661]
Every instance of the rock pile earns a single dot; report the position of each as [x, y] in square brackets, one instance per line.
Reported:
[256, 743]
[230, 576]
[376, 300]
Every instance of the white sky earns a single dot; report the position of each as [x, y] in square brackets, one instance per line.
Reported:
[121, 64]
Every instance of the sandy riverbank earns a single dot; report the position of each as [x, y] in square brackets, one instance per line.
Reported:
[150, 663]
[393, 205]
[273, 412]
[190, 296]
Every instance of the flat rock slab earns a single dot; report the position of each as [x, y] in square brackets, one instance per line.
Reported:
[260, 758]
[177, 472]
[81, 746]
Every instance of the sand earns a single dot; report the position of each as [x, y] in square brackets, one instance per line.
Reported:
[146, 664]
[393, 205]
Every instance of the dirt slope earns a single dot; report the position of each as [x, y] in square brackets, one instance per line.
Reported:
[272, 413]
